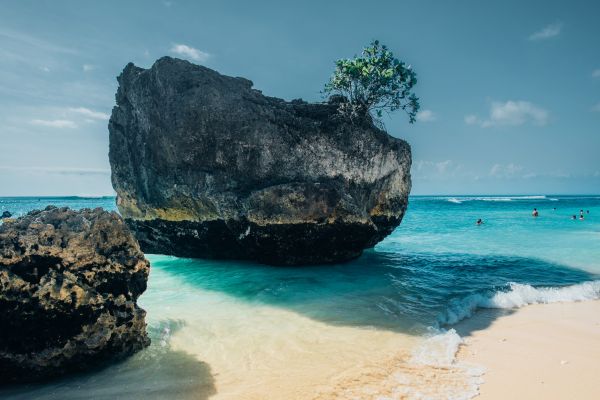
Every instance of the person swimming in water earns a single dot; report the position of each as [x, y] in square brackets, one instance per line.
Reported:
[535, 212]
[479, 221]
[574, 216]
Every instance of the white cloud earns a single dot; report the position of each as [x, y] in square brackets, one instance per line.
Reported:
[187, 51]
[547, 32]
[596, 73]
[596, 108]
[88, 67]
[511, 113]
[86, 112]
[517, 113]
[426, 116]
[505, 171]
[45, 69]
[54, 123]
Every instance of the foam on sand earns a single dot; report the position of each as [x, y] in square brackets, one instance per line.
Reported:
[430, 372]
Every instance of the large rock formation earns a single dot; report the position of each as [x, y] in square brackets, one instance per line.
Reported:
[205, 166]
[69, 283]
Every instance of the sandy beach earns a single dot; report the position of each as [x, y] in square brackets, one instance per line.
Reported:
[546, 351]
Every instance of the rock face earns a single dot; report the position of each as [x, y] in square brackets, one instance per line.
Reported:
[205, 166]
[69, 283]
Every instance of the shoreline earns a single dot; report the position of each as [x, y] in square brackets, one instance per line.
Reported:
[545, 351]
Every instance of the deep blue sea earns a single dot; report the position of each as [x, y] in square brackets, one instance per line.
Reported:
[225, 329]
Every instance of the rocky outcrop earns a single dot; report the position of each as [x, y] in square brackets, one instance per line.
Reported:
[6, 214]
[205, 166]
[69, 283]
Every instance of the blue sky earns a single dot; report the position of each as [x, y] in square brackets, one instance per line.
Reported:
[510, 90]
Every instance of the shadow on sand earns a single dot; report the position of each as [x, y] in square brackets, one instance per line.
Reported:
[156, 372]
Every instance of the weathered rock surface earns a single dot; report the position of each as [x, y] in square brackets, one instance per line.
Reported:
[6, 214]
[69, 283]
[205, 166]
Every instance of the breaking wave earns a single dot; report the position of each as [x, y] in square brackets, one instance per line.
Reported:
[519, 295]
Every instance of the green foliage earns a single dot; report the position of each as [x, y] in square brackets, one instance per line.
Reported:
[375, 83]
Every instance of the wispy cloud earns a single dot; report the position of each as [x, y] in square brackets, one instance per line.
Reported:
[596, 108]
[426, 116]
[86, 112]
[510, 113]
[433, 170]
[596, 73]
[88, 67]
[32, 41]
[58, 170]
[190, 52]
[438, 166]
[54, 123]
[505, 171]
[547, 32]
[471, 119]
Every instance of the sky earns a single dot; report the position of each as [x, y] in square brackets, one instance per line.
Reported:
[509, 90]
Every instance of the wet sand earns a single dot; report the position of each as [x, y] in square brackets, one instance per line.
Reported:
[269, 353]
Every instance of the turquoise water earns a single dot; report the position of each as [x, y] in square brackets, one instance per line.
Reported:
[436, 268]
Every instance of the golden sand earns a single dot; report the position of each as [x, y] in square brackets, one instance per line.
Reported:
[548, 351]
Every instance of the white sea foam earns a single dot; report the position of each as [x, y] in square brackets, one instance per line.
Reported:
[439, 348]
[520, 295]
[510, 198]
[497, 198]
[437, 355]
[494, 199]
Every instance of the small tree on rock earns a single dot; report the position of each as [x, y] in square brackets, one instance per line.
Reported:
[374, 83]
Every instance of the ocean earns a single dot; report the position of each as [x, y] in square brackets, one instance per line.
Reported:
[377, 327]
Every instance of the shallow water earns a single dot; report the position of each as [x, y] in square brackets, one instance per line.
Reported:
[243, 330]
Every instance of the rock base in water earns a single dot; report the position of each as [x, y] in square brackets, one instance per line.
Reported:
[271, 244]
